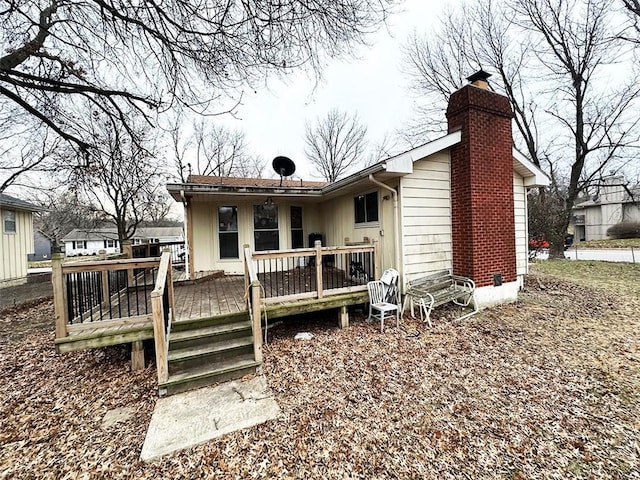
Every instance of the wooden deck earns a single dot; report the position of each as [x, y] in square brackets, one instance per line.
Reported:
[203, 298]
[208, 298]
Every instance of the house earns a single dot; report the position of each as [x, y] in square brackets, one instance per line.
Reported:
[593, 217]
[17, 237]
[90, 242]
[42, 247]
[458, 202]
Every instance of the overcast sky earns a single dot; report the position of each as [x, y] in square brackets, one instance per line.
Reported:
[372, 86]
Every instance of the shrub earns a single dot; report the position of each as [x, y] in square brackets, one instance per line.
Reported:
[624, 230]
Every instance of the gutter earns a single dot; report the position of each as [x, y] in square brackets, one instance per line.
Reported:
[396, 219]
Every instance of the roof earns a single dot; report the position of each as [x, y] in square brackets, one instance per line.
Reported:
[17, 204]
[112, 233]
[253, 182]
[395, 166]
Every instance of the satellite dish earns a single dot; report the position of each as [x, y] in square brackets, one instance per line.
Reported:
[283, 166]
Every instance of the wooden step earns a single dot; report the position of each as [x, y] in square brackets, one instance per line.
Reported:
[193, 324]
[192, 357]
[209, 375]
[210, 334]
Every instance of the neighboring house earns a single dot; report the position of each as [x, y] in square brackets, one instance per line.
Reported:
[17, 236]
[592, 218]
[458, 202]
[42, 247]
[90, 242]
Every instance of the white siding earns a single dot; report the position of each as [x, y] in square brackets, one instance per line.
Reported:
[16, 246]
[425, 197]
[206, 251]
[339, 223]
[520, 210]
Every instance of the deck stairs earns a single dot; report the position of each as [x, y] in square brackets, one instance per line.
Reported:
[207, 351]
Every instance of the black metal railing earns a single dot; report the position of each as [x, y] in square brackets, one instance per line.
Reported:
[93, 296]
[298, 272]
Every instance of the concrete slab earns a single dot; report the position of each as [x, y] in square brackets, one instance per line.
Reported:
[191, 418]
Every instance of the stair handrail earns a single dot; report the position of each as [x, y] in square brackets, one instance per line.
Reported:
[252, 290]
[163, 313]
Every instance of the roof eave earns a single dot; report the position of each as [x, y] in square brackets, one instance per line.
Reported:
[176, 190]
[533, 176]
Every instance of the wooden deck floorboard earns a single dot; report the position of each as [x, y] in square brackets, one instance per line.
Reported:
[214, 296]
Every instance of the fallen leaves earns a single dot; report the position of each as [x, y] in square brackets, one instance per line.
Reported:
[545, 388]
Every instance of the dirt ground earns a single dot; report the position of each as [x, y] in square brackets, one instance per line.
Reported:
[545, 388]
[38, 287]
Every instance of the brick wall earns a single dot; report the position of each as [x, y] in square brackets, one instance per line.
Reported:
[483, 224]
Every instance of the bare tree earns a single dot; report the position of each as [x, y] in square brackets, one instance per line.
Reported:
[212, 149]
[335, 144]
[223, 152]
[65, 211]
[123, 182]
[552, 60]
[148, 56]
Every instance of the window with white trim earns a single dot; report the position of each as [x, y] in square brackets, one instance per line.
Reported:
[9, 221]
[297, 235]
[366, 208]
[265, 227]
[228, 232]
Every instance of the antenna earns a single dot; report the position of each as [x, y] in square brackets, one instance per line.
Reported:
[283, 166]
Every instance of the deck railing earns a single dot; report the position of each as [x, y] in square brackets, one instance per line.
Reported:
[304, 273]
[103, 293]
[156, 249]
[163, 314]
[301, 273]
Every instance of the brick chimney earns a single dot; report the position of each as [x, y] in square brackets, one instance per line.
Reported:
[483, 224]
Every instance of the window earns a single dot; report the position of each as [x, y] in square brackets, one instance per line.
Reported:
[136, 241]
[366, 207]
[80, 244]
[228, 232]
[265, 227]
[110, 244]
[9, 221]
[297, 237]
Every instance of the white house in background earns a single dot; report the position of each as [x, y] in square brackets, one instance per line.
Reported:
[458, 203]
[592, 218]
[17, 237]
[90, 242]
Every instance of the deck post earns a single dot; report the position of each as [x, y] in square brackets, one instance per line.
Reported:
[344, 317]
[137, 356]
[318, 246]
[376, 259]
[59, 293]
[170, 285]
[257, 320]
[246, 267]
[159, 336]
[127, 249]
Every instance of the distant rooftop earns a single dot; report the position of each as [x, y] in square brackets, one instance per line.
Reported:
[17, 204]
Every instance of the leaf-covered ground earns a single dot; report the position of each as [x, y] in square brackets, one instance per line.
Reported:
[545, 388]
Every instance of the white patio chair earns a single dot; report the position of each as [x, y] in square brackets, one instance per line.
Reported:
[390, 280]
[378, 307]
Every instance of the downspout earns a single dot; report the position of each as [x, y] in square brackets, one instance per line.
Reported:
[396, 217]
[186, 237]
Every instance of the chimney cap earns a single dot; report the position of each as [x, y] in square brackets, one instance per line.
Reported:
[479, 75]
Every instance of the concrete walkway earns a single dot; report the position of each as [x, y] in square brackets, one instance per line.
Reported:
[191, 418]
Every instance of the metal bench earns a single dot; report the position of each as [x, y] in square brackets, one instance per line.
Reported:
[438, 289]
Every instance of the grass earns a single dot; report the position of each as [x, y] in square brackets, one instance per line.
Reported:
[619, 243]
[39, 264]
[614, 277]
